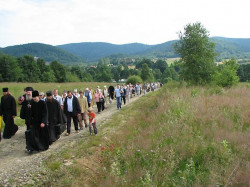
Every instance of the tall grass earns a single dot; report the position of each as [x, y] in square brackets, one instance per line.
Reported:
[179, 136]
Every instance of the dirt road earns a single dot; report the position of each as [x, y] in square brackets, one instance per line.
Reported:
[17, 167]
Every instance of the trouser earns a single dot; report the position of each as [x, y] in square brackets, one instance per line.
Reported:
[10, 128]
[99, 106]
[124, 99]
[118, 102]
[94, 127]
[128, 96]
[103, 104]
[88, 104]
[75, 120]
[83, 117]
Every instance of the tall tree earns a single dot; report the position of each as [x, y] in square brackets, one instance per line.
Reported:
[161, 65]
[146, 74]
[59, 71]
[9, 69]
[197, 54]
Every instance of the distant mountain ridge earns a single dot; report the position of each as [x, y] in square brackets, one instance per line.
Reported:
[74, 53]
[47, 52]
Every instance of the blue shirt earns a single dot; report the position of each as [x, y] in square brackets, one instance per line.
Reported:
[117, 92]
[70, 104]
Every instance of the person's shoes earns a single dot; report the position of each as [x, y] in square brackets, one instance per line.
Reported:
[28, 151]
[77, 131]
[81, 128]
[66, 134]
[86, 126]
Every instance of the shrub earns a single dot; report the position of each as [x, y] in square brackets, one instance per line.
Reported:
[134, 79]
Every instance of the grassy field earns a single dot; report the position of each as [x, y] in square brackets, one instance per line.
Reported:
[178, 136]
[17, 89]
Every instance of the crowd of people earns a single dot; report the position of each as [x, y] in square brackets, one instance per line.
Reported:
[48, 115]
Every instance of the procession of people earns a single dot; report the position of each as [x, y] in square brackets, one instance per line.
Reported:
[48, 116]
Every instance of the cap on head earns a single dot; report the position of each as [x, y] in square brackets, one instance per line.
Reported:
[35, 93]
[49, 93]
[28, 89]
[5, 89]
[75, 90]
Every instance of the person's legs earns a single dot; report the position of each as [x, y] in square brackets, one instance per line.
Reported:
[95, 128]
[85, 119]
[99, 106]
[75, 120]
[69, 122]
[80, 118]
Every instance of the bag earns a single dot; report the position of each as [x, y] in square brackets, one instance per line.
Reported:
[101, 100]
[60, 128]
[1, 122]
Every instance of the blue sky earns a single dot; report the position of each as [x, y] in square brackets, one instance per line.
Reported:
[117, 21]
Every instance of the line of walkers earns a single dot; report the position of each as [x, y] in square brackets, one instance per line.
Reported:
[46, 118]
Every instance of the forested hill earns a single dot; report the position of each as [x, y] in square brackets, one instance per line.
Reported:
[92, 51]
[47, 52]
[225, 47]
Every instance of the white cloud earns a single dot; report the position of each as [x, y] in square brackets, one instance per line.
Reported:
[116, 21]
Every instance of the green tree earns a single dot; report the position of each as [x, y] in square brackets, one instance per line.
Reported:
[47, 75]
[161, 65]
[9, 69]
[197, 54]
[134, 79]
[59, 71]
[146, 74]
[157, 74]
[103, 73]
[30, 69]
[226, 74]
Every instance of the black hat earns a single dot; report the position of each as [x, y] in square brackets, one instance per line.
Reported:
[49, 93]
[35, 93]
[5, 89]
[29, 89]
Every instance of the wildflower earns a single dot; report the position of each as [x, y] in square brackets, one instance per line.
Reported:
[152, 151]
[164, 160]
[138, 150]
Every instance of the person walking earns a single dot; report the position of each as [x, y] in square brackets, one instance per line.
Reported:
[9, 112]
[92, 121]
[54, 117]
[37, 138]
[118, 97]
[72, 110]
[26, 101]
[99, 99]
[84, 109]
[105, 93]
[88, 95]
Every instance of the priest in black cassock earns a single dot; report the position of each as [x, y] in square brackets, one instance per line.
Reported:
[54, 116]
[8, 111]
[37, 138]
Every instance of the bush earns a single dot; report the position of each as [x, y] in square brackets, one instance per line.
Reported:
[226, 74]
[134, 79]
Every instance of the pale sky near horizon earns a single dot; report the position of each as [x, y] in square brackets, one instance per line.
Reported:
[58, 22]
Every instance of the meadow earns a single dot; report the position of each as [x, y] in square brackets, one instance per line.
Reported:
[177, 136]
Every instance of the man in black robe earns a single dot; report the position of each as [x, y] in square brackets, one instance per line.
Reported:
[26, 101]
[111, 90]
[37, 138]
[54, 117]
[8, 111]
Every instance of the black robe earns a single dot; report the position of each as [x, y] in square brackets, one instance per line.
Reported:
[8, 110]
[37, 138]
[54, 118]
[111, 90]
[25, 112]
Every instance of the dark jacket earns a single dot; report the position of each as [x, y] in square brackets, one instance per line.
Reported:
[8, 106]
[76, 106]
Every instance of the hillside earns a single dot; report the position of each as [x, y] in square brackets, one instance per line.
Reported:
[92, 51]
[48, 52]
[225, 47]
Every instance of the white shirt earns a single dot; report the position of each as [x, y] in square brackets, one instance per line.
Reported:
[70, 104]
[59, 99]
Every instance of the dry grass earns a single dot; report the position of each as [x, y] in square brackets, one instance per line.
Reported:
[175, 137]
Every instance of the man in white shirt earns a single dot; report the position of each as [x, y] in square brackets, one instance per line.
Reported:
[76, 94]
[57, 97]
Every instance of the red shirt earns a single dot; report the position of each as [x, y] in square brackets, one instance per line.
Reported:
[92, 116]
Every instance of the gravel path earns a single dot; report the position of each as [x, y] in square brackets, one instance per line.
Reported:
[17, 168]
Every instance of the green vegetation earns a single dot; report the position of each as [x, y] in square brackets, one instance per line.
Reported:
[197, 54]
[47, 52]
[178, 136]
[134, 79]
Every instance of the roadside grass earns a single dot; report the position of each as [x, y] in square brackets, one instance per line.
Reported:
[178, 136]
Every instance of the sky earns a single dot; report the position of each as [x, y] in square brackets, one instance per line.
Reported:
[57, 22]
